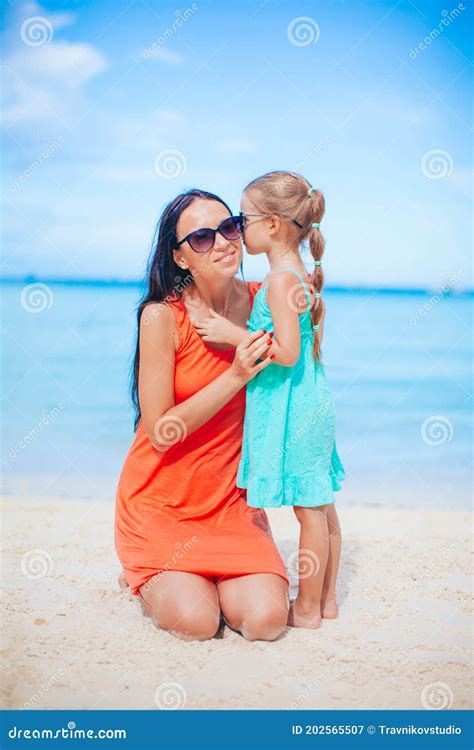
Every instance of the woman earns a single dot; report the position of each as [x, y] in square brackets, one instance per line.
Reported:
[190, 546]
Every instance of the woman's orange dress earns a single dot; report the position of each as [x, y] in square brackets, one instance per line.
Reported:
[180, 510]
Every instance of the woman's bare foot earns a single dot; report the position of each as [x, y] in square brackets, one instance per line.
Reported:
[329, 609]
[303, 617]
[122, 581]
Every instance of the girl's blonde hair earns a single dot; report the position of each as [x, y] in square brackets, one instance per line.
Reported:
[290, 196]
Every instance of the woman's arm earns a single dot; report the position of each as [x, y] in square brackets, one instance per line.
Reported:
[160, 414]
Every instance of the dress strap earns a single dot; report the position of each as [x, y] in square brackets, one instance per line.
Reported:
[308, 296]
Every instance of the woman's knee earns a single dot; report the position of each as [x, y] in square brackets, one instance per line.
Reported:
[194, 627]
[190, 612]
[190, 624]
[265, 624]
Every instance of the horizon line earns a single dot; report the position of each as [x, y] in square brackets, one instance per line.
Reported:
[71, 281]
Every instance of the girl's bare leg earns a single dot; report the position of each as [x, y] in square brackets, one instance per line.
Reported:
[305, 611]
[255, 605]
[184, 604]
[329, 607]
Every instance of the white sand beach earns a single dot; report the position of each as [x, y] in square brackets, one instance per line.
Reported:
[72, 639]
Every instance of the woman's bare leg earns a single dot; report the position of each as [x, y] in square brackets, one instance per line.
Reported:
[255, 605]
[122, 580]
[184, 604]
[329, 607]
[305, 611]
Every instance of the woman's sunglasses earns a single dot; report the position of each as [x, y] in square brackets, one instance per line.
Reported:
[202, 240]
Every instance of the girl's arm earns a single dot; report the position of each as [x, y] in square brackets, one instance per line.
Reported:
[162, 417]
[321, 324]
[219, 330]
[281, 299]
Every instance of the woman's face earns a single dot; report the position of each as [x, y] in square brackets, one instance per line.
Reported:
[224, 258]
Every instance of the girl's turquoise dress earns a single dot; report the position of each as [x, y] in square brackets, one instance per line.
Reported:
[289, 454]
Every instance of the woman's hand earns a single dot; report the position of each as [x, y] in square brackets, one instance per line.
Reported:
[219, 330]
[255, 345]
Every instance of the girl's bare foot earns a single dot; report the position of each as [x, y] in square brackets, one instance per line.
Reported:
[329, 609]
[303, 617]
[122, 581]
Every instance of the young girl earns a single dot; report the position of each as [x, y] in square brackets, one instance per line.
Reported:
[289, 454]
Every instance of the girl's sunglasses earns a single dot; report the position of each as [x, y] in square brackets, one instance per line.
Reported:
[244, 217]
[202, 240]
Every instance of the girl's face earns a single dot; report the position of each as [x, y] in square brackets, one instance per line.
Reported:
[224, 258]
[257, 229]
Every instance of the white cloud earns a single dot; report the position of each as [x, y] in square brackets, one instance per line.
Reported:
[69, 63]
[45, 81]
[25, 102]
[122, 173]
[58, 20]
[398, 110]
[164, 55]
[155, 131]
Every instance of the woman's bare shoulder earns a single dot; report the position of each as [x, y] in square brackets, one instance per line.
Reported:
[158, 322]
[158, 314]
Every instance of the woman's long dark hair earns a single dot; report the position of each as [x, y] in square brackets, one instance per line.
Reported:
[164, 279]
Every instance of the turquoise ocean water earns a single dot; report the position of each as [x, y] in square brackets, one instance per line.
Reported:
[399, 365]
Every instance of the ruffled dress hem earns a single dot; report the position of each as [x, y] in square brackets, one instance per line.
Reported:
[308, 491]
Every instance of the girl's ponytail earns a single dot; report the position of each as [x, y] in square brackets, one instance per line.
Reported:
[316, 245]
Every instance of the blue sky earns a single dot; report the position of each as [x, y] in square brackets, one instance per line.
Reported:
[101, 99]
